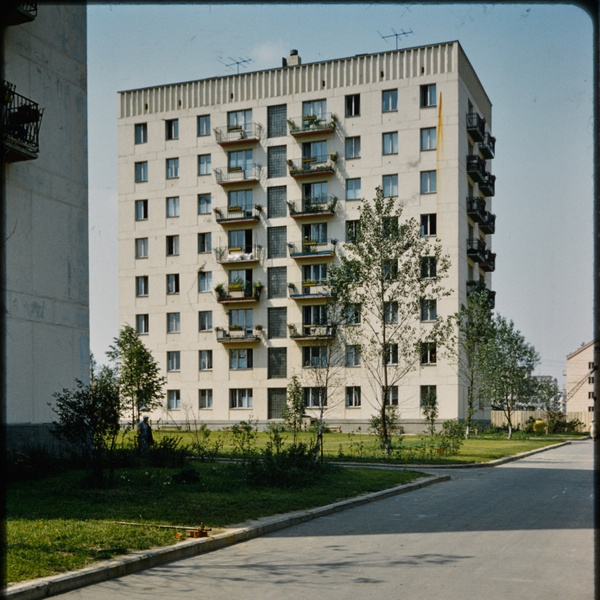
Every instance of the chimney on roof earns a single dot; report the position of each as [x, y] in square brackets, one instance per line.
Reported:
[293, 60]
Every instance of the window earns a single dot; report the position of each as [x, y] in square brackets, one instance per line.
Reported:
[314, 108]
[241, 279]
[205, 360]
[204, 204]
[239, 119]
[172, 245]
[205, 320]
[141, 285]
[172, 168]
[390, 354]
[239, 160]
[205, 399]
[240, 240]
[353, 315]
[352, 396]
[142, 323]
[428, 267]
[204, 164]
[141, 171]
[314, 193]
[276, 242]
[352, 228]
[390, 185]
[204, 281]
[173, 206]
[174, 361]
[277, 322]
[389, 100]
[276, 202]
[240, 358]
[428, 310]
[240, 398]
[390, 312]
[173, 399]
[277, 282]
[172, 129]
[315, 274]
[141, 133]
[315, 397]
[241, 318]
[315, 314]
[353, 189]
[428, 224]
[428, 182]
[173, 322]
[141, 248]
[353, 356]
[353, 105]
[203, 125]
[428, 354]
[315, 232]
[204, 242]
[428, 138]
[277, 403]
[428, 394]
[277, 121]
[240, 200]
[391, 396]
[315, 152]
[390, 143]
[173, 283]
[314, 356]
[141, 210]
[353, 147]
[276, 363]
[428, 95]
[276, 161]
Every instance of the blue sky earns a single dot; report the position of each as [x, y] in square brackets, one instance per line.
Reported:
[535, 62]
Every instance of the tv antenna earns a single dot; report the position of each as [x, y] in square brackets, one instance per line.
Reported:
[240, 61]
[396, 35]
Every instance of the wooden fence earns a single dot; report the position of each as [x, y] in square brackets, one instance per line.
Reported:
[520, 417]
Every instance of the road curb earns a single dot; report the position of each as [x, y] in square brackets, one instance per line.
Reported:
[132, 563]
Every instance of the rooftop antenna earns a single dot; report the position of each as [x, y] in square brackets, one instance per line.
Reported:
[238, 62]
[396, 35]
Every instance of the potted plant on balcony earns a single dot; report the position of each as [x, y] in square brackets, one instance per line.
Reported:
[334, 156]
[234, 208]
[236, 285]
[257, 288]
[220, 291]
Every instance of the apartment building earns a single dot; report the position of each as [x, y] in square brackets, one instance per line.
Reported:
[580, 375]
[237, 193]
[44, 245]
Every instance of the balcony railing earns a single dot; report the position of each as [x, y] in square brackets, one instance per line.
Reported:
[475, 127]
[233, 215]
[20, 12]
[313, 165]
[476, 249]
[236, 175]
[237, 335]
[480, 286]
[246, 292]
[21, 120]
[476, 168]
[238, 134]
[489, 261]
[308, 290]
[488, 225]
[309, 124]
[306, 331]
[226, 255]
[476, 209]
[313, 206]
[488, 186]
[312, 248]
[487, 146]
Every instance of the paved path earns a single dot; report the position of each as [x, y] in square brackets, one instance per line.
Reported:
[521, 530]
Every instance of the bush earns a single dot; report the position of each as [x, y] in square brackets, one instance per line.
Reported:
[168, 452]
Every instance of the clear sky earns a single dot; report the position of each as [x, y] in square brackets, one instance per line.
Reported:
[534, 61]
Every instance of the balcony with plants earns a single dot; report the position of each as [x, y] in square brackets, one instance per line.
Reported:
[309, 332]
[312, 249]
[239, 291]
[309, 289]
[238, 255]
[237, 214]
[308, 166]
[475, 286]
[475, 126]
[313, 206]
[234, 135]
[476, 249]
[238, 175]
[312, 124]
[236, 334]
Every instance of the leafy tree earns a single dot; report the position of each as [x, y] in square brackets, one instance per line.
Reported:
[508, 363]
[474, 332]
[429, 405]
[390, 273]
[140, 382]
[294, 407]
[548, 395]
[88, 419]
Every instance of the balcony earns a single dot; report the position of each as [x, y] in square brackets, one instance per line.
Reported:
[238, 335]
[20, 12]
[310, 332]
[238, 215]
[476, 249]
[488, 226]
[238, 175]
[478, 287]
[312, 124]
[476, 209]
[313, 206]
[487, 146]
[488, 186]
[21, 120]
[475, 127]
[308, 290]
[313, 165]
[245, 292]
[488, 263]
[312, 249]
[476, 168]
[238, 256]
[237, 135]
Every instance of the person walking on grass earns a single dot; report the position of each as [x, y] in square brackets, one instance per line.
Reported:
[144, 434]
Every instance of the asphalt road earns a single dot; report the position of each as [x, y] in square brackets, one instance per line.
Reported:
[521, 530]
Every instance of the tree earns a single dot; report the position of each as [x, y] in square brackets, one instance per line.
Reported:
[429, 404]
[548, 396]
[474, 331]
[294, 407]
[88, 419]
[390, 275]
[508, 363]
[140, 382]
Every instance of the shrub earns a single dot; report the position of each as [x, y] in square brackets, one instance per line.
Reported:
[244, 437]
[168, 452]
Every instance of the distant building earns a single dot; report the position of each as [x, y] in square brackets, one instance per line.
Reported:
[44, 245]
[237, 192]
[580, 376]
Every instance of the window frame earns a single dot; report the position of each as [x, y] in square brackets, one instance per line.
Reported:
[207, 400]
[351, 187]
[389, 143]
[205, 320]
[428, 183]
[173, 361]
[205, 359]
[141, 128]
[141, 210]
[204, 202]
[141, 171]
[352, 105]
[352, 147]
[353, 396]
[389, 100]
[172, 168]
[173, 322]
[172, 129]
[172, 207]
[204, 165]
[203, 126]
